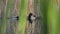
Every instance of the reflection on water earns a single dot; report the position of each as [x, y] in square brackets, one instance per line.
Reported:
[11, 26]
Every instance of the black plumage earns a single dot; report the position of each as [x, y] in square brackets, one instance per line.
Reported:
[32, 18]
[29, 18]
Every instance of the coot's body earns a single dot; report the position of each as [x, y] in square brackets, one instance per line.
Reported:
[31, 17]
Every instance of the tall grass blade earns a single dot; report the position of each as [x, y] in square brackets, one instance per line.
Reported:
[52, 18]
[23, 17]
[4, 20]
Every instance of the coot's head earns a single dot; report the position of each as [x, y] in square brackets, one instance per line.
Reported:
[30, 14]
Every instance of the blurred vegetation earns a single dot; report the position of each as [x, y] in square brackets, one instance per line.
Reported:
[3, 19]
[49, 10]
[51, 18]
[23, 17]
